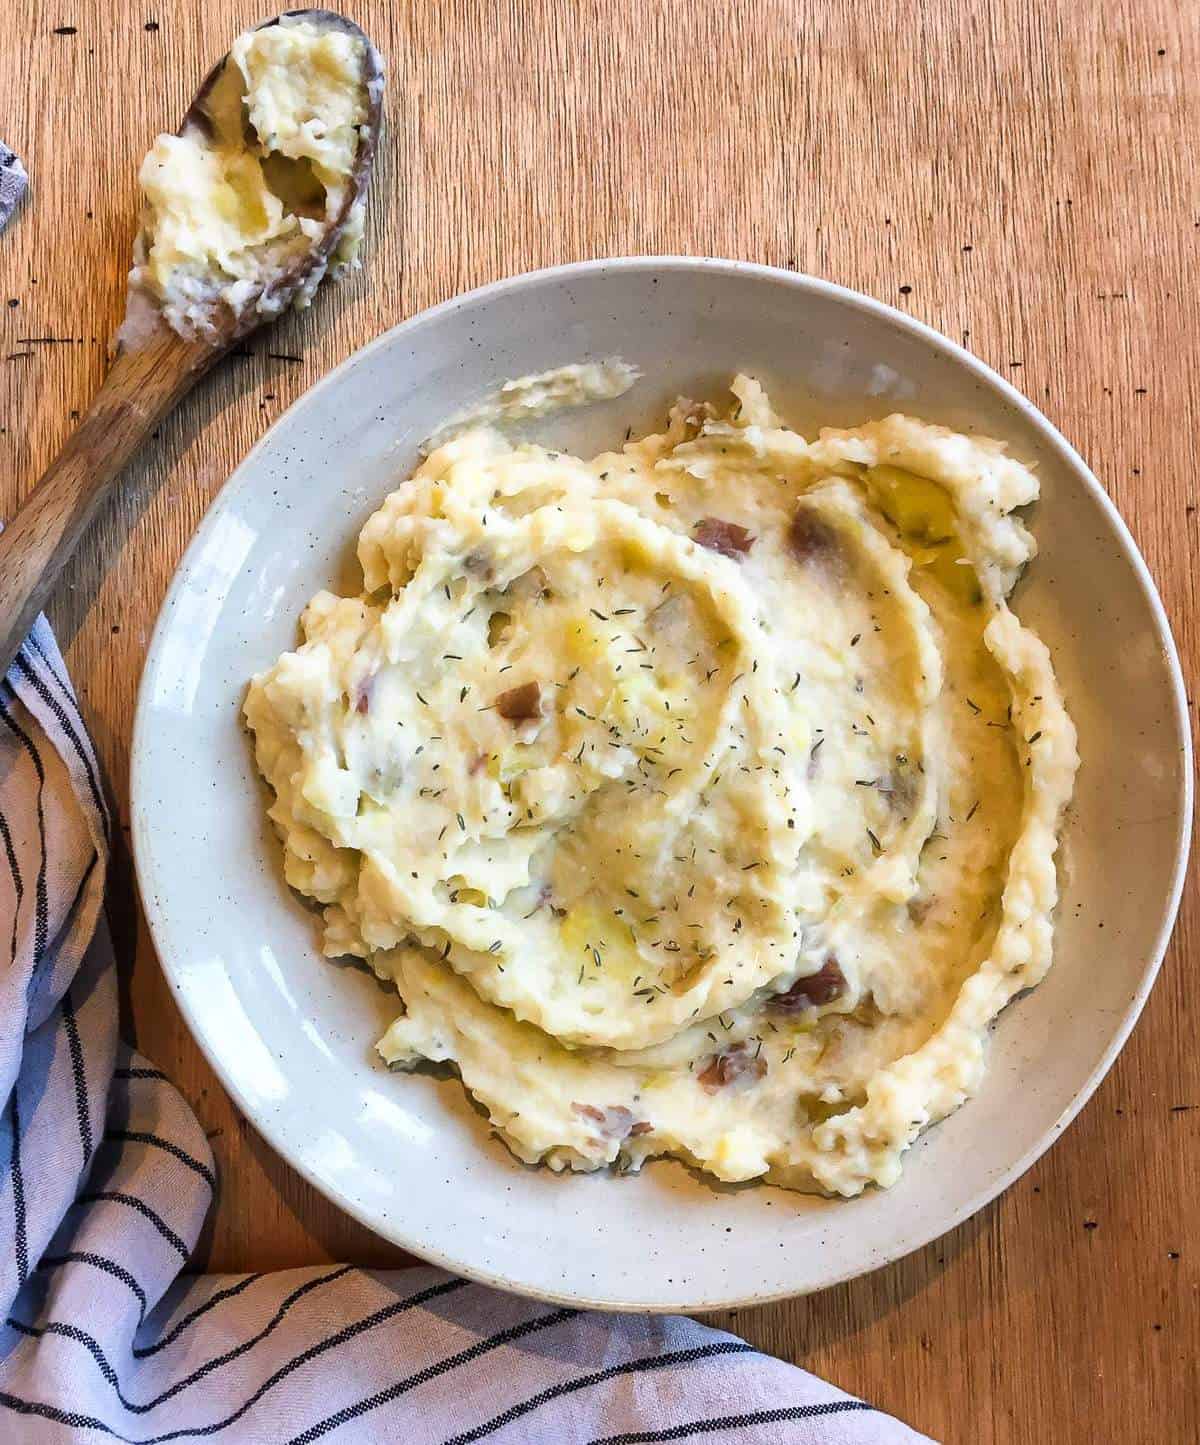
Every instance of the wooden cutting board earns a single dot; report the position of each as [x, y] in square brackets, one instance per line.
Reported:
[1024, 175]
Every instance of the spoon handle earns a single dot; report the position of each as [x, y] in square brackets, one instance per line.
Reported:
[143, 384]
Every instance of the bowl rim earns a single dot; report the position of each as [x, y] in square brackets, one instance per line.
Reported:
[918, 1236]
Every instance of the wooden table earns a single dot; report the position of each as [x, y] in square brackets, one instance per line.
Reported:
[1024, 176]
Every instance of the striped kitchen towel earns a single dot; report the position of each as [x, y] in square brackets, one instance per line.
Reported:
[107, 1179]
[13, 181]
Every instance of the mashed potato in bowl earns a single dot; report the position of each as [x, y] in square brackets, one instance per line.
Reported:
[701, 799]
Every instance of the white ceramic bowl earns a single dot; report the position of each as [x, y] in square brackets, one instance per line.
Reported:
[291, 1035]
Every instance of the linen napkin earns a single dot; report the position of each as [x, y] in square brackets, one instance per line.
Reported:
[13, 181]
[107, 1178]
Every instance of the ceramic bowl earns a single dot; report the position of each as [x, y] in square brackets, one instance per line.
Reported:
[291, 1035]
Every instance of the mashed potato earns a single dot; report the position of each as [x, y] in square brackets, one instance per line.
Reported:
[700, 799]
[234, 202]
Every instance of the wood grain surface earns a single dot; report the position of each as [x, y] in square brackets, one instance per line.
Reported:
[1024, 176]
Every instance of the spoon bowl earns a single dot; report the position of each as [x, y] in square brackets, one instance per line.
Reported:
[203, 115]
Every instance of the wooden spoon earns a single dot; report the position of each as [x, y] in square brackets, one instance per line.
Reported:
[153, 367]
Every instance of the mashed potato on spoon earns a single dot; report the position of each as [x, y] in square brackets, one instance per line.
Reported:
[700, 799]
[242, 206]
